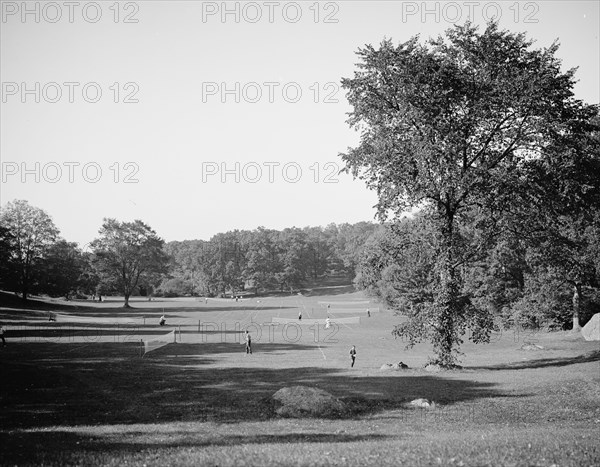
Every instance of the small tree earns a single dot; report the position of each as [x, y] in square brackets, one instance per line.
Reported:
[28, 234]
[127, 253]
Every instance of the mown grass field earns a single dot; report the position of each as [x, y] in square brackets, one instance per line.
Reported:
[80, 394]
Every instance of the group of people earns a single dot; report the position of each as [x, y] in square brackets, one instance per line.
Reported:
[248, 338]
[248, 342]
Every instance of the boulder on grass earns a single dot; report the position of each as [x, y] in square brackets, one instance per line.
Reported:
[394, 366]
[433, 368]
[422, 403]
[591, 331]
[531, 346]
[303, 401]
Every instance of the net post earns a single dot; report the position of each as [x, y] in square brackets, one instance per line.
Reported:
[180, 333]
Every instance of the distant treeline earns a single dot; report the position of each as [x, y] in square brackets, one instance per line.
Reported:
[128, 258]
[518, 275]
[264, 259]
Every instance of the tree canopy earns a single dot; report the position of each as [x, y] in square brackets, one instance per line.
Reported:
[447, 125]
[27, 234]
[127, 254]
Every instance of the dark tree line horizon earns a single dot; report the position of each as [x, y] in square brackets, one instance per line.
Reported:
[129, 258]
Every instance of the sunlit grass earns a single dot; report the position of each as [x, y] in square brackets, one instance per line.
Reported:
[202, 402]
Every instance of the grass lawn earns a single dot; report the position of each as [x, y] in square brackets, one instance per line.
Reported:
[78, 393]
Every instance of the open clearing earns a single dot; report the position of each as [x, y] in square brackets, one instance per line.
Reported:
[76, 391]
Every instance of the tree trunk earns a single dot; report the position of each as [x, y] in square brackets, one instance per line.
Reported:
[576, 306]
[25, 282]
[446, 301]
[126, 305]
[24, 286]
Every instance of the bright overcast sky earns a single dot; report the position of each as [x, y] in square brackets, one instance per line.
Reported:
[176, 150]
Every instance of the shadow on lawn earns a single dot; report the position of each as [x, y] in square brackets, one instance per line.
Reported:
[331, 290]
[593, 356]
[62, 447]
[106, 383]
[15, 307]
[171, 312]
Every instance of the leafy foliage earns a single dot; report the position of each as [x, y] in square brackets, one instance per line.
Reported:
[28, 233]
[127, 254]
[450, 125]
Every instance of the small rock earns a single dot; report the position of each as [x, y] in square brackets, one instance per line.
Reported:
[531, 346]
[433, 368]
[424, 403]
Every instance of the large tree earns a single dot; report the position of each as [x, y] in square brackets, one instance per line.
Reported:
[28, 232]
[442, 124]
[128, 254]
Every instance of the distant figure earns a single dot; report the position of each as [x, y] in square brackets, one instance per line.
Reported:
[248, 343]
[99, 297]
[328, 307]
[162, 320]
[2, 336]
[236, 298]
[205, 300]
[352, 355]
[327, 323]
[51, 316]
[300, 315]
[368, 313]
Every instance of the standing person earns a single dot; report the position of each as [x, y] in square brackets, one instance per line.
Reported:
[352, 355]
[248, 343]
[368, 313]
[2, 336]
[162, 320]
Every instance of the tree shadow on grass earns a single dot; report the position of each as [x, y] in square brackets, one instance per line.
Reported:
[67, 384]
[331, 290]
[15, 307]
[60, 447]
[172, 312]
[593, 356]
[66, 333]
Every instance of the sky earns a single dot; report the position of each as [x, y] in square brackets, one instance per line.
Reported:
[204, 117]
